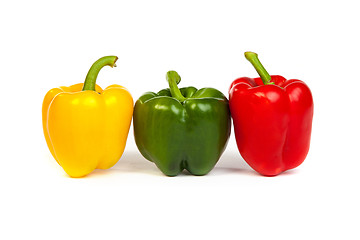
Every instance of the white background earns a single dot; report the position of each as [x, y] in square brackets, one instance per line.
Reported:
[45, 44]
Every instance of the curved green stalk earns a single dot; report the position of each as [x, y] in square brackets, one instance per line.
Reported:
[254, 60]
[174, 79]
[90, 80]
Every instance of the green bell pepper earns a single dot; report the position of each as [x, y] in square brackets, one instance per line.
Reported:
[183, 128]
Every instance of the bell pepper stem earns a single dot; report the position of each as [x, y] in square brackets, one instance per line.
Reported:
[90, 80]
[254, 60]
[174, 79]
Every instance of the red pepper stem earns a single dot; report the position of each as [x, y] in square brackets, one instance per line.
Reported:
[174, 79]
[254, 60]
[90, 80]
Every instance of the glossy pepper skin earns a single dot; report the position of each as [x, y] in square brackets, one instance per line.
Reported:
[86, 127]
[272, 120]
[182, 128]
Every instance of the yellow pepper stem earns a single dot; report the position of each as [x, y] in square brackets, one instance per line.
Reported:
[90, 80]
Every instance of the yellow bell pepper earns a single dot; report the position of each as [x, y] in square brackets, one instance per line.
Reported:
[86, 127]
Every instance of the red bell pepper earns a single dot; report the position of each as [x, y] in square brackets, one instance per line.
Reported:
[272, 120]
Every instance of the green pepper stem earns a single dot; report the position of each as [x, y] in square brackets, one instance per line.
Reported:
[90, 79]
[174, 79]
[254, 60]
